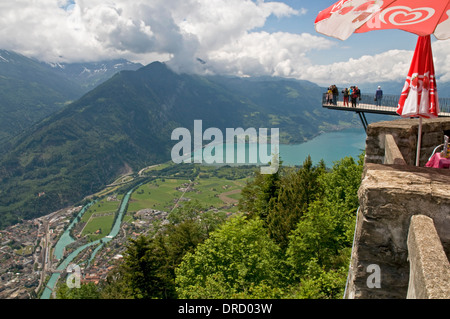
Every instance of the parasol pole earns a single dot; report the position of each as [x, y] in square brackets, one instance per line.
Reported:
[419, 142]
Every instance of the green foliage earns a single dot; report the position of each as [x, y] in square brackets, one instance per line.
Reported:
[342, 183]
[319, 248]
[115, 286]
[297, 191]
[146, 269]
[318, 283]
[86, 291]
[258, 194]
[320, 235]
[312, 218]
[238, 257]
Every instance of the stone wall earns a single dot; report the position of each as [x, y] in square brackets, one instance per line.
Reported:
[392, 193]
[389, 196]
[405, 133]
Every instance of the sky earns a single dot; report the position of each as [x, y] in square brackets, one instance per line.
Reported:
[232, 37]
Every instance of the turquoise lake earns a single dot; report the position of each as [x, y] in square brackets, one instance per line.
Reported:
[330, 147]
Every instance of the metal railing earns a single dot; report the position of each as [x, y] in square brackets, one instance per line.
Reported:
[389, 103]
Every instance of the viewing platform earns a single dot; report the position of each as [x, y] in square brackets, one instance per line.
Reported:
[368, 105]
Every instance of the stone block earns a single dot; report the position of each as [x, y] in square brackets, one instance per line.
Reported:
[392, 154]
[429, 266]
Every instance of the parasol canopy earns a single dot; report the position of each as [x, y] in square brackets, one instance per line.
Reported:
[419, 96]
[421, 17]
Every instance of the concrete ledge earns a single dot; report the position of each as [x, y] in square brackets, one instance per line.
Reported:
[429, 266]
[392, 154]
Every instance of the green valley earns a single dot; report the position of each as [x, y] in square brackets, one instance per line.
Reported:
[214, 188]
[125, 124]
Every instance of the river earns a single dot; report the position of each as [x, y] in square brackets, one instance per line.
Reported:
[66, 239]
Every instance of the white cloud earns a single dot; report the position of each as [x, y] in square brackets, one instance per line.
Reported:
[262, 53]
[392, 65]
[441, 53]
[218, 29]
[388, 66]
[224, 33]
[69, 30]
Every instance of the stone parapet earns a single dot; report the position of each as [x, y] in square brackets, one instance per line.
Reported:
[389, 196]
[429, 267]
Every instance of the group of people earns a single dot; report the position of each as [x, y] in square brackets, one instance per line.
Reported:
[352, 94]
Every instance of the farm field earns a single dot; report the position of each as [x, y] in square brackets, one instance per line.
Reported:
[210, 187]
[160, 194]
[101, 207]
[99, 226]
[99, 218]
[213, 187]
[209, 191]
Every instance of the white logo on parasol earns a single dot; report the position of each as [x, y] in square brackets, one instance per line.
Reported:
[411, 16]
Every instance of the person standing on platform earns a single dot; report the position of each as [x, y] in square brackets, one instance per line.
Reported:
[353, 96]
[358, 93]
[335, 94]
[379, 96]
[346, 94]
[330, 96]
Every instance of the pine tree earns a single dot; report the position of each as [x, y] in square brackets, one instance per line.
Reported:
[297, 191]
[258, 195]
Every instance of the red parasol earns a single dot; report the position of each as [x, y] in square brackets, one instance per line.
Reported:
[422, 17]
[419, 96]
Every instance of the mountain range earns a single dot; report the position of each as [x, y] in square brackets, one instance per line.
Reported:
[125, 123]
[30, 90]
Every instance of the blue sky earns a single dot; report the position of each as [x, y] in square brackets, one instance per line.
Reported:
[234, 37]
[357, 45]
